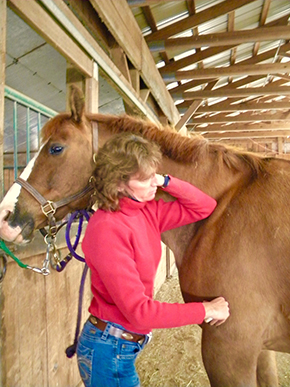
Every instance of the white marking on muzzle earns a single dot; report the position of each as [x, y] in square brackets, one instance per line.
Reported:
[11, 197]
[9, 202]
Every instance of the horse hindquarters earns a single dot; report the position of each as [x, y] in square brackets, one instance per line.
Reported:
[235, 363]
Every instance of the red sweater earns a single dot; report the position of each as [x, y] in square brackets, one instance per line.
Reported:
[123, 250]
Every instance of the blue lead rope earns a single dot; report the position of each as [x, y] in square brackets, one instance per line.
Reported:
[71, 350]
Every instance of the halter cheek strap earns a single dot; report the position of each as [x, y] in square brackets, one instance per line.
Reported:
[95, 134]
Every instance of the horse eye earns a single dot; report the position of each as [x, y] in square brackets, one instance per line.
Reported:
[56, 149]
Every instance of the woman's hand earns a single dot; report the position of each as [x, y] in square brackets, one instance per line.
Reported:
[216, 311]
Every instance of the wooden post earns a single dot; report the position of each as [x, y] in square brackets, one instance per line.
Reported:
[92, 91]
[3, 18]
[187, 115]
[3, 21]
[280, 145]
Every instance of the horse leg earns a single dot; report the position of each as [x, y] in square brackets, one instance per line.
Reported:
[267, 369]
[228, 363]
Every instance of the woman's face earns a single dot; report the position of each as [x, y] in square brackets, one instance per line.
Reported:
[142, 189]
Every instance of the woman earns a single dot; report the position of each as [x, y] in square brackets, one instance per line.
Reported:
[122, 247]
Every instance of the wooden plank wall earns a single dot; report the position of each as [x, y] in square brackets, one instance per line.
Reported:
[39, 324]
[166, 267]
[40, 319]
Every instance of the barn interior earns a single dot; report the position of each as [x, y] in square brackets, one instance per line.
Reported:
[216, 68]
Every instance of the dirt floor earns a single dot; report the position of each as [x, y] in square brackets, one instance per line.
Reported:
[173, 357]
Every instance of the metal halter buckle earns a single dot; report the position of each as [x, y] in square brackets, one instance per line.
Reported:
[48, 208]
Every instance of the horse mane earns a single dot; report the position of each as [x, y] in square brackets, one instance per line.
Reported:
[179, 147]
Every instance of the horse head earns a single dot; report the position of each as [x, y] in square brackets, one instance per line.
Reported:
[66, 150]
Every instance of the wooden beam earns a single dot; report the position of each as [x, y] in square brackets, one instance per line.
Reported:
[221, 39]
[90, 19]
[263, 18]
[135, 79]
[280, 145]
[231, 27]
[92, 91]
[3, 33]
[149, 18]
[236, 70]
[194, 58]
[192, 109]
[119, 19]
[230, 100]
[120, 60]
[201, 55]
[244, 134]
[245, 106]
[40, 20]
[234, 85]
[243, 92]
[283, 76]
[143, 3]
[188, 114]
[259, 58]
[242, 117]
[36, 16]
[196, 19]
[241, 126]
[144, 94]
[177, 92]
[252, 144]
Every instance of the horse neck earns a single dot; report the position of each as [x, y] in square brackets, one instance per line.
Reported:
[218, 181]
[215, 179]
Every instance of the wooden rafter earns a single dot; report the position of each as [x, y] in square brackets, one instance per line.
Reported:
[246, 106]
[273, 68]
[119, 20]
[226, 64]
[196, 19]
[210, 52]
[222, 39]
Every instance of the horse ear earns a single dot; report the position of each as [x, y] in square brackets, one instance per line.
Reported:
[77, 103]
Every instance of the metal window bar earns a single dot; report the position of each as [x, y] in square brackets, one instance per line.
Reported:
[15, 138]
[32, 107]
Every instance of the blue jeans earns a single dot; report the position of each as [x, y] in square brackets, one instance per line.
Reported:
[107, 361]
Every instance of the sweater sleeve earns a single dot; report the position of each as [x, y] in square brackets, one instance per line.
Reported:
[114, 264]
[191, 205]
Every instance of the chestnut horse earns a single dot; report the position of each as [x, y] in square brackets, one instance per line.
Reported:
[242, 251]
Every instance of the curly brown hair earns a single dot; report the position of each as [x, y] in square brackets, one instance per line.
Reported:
[121, 157]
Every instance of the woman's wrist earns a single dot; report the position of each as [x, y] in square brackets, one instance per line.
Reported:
[208, 311]
[160, 180]
[166, 181]
[163, 180]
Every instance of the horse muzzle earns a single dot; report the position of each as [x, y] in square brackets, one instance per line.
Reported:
[15, 229]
